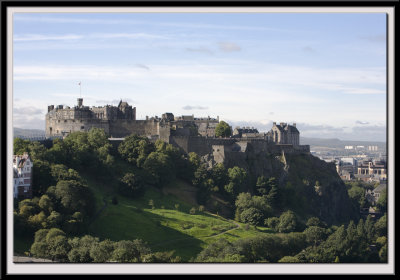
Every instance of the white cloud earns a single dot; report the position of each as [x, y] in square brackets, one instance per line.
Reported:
[229, 47]
[41, 37]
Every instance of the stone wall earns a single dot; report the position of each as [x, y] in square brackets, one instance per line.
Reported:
[62, 127]
[123, 128]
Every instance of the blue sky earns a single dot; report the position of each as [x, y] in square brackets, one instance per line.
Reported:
[324, 71]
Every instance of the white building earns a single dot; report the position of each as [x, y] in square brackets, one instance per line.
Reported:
[22, 166]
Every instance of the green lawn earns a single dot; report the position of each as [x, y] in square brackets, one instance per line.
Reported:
[164, 227]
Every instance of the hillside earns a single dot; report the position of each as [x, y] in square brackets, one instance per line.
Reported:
[86, 189]
[28, 133]
[169, 224]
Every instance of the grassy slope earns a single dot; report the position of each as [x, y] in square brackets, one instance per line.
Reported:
[163, 227]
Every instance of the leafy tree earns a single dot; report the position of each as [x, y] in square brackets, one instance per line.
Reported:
[251, 216]
[315, 235]
[46, 203]
[54, 219]
[262, 185]
[313, 221]
[20, 146]
[81, 247]
[219, 174]
[102, 251]
[223, 130]
[382, 201]
[40, 177]
[160, 167]
[75, 196]
[287, 222]
[131, 185]
[237, 181]
[135, 149]
[357, 194]
[251, 209]
[381, 226]
[272, 222]
[129, 251]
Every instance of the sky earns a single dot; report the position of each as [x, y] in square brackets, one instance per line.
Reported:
[326, 72]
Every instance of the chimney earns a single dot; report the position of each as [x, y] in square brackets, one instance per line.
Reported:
[274, 123]
[80, 102]
[294, 124]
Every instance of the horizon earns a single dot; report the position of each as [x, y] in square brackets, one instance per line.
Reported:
[324, 72]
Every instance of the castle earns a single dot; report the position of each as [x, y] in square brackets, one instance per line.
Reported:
[186, 132]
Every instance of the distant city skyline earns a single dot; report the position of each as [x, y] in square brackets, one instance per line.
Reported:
[326, 72]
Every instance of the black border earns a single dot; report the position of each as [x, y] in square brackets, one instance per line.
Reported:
[155, 4]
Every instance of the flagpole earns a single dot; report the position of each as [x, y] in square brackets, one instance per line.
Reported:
[80, 91]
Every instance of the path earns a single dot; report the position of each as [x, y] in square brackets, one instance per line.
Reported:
[98, 212]
[211, 236]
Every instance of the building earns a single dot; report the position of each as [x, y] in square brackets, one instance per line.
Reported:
[22, 167]
[245, 132]
[187, 132]
[346, 167]
[284, 133]
[373, 195]
[372, 170]
[120, 121]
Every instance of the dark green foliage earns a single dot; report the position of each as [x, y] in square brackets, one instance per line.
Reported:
[135, 149]
[129, 251]
[54, 244]
[223, 130]
[131, 185]
[262, 248]
[382, 201]
[74, 196]
[160, 167]
[287, 222]
[237, 181]
[252, 209]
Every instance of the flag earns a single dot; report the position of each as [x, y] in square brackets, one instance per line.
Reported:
[79, 83]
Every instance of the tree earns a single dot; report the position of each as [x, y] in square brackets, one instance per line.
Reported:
[131, 185]
[46, 203]
[315, 235]
[287, 222]
[252, 216]
[237, 181]
[382, 201]
[251, 209]
[160, 167]
[262, 185]
[102, 251]
[223, 130]
[75, 196]
[129, 251]
[40, 177]
[135, 149]
[20, 146]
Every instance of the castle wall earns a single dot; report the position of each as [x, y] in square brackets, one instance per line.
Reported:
[122, 128]
[62, 127]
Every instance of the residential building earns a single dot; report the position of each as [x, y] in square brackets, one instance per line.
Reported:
[22, 167]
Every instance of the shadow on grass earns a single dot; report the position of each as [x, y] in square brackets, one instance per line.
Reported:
[131, 223]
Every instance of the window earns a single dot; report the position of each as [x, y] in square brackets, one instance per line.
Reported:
[82, 127]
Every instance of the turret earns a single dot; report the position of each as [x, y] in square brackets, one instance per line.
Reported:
[80, 102]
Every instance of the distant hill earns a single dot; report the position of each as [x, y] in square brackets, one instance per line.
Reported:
[337, 143]
[28, 133]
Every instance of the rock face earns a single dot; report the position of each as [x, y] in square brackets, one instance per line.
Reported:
[307, 185]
